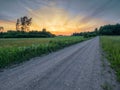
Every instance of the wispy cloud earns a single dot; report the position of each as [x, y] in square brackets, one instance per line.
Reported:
[96, 10]
[65, 16]
[56, 19]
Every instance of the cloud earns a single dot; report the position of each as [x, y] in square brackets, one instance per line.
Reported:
[4, 17]
[97, 9]
[56, 19]
[62, 16]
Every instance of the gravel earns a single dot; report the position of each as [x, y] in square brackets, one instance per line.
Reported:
[77, 67]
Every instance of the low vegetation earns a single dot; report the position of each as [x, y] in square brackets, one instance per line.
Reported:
[106, 86]
[24, 34]
[103, 30]
[110, 30]
[111, 45]
[18, 50]
[87, 34]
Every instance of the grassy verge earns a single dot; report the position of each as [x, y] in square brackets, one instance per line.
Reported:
[111, 45]
[19, 50]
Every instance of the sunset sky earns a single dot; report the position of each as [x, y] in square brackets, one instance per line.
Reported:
[60, 16]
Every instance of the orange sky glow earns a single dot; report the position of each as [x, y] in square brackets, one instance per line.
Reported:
[56, 20]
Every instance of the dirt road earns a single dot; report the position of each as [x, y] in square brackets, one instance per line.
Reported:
[77, 67]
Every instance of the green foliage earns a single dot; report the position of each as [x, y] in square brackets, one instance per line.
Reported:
[110, 30]
[23, 34]
[19, 50]
[106, 86]
[111, 45]
[87, 34]
[103, 30]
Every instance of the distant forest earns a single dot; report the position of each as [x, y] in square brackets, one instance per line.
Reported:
[110, 30]
[23, 34]
[103, 30]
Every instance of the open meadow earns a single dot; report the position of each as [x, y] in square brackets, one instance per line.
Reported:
[111, 45]
[20, 49]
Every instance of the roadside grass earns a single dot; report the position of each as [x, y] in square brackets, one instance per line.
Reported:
[111, 45]
[18, 50]
[106, 86]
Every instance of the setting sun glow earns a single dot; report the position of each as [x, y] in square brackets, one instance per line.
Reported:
[56, 20]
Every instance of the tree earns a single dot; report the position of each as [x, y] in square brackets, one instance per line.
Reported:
[24, 23]
[96, 30]
[18, 25]
[110, 30]
[43, 30]
[1, 29]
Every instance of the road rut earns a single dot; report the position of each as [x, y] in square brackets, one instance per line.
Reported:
[77, 67]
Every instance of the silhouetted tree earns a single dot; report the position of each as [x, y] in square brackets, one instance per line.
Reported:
[110, 30]
[43, 30]
[23, 23]
[1, 29]
[18, 25]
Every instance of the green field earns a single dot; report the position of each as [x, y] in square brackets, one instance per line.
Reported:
[111, 45]
[19, 50]
[14, 42]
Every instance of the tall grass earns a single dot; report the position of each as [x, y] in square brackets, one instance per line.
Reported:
[19, 50]
[111, 45]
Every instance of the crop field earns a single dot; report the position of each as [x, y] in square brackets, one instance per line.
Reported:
[14, 42]
[19, 50]
[111, 45]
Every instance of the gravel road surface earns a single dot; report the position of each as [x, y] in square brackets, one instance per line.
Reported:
[77, 67]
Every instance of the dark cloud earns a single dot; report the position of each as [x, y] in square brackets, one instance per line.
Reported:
[6, 17]
[104, 9]
[96, 10]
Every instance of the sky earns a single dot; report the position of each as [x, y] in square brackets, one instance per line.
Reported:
[60, 16]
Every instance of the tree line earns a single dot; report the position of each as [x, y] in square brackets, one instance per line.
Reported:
[103, 30]
[24, 34]
[110, 30]
[87, 34]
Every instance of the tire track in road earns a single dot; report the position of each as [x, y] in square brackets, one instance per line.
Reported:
[76, 67]
[56, 72]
